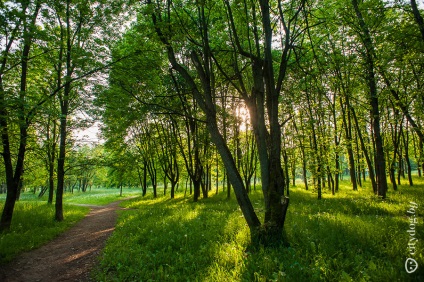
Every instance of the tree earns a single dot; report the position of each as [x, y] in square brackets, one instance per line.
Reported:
[369, 57]
[81, 54]
[251, 56]
[19, 30]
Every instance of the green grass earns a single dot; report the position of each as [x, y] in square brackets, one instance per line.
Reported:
[100, 196]
[33, 226]
[33, 221]
[352, 236]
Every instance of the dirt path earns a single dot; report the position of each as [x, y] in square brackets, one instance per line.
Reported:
[69, 257]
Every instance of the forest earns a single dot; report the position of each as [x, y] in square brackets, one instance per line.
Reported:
[276, 109]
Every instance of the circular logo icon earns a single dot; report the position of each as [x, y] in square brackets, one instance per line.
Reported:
[411, 265]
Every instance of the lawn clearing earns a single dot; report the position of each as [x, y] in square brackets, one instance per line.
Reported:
[352, 236]
[100, 196]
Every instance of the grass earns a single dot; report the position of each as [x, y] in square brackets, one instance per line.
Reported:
[99, 196]
[33, 220]
[352, 236]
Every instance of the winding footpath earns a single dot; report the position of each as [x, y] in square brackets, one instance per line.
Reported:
[69, 257]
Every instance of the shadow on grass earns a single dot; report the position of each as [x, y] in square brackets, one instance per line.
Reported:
[339, 238]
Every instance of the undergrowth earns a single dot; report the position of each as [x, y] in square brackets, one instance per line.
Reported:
[352, 236]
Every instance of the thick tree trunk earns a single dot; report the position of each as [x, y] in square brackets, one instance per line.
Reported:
[173, 184]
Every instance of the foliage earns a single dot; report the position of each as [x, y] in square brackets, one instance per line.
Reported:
[353, 236]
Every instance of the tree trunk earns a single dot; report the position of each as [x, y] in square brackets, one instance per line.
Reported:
[369, 55]
[64, 108]
[144, 179]
[61, 158]
[408, 162]
[51, 162]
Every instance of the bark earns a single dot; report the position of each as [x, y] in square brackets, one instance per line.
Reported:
[369, 55]
[358, 157]
[207, 106]
[64, 111]
[417, 154]
[51, 157]
[144, 178]
[62, 155]
[248, 166]
[192, 159]
[140, 180]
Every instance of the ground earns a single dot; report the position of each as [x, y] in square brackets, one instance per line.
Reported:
[69, 257]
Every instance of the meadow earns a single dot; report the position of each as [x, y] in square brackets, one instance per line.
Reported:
[352, 236]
